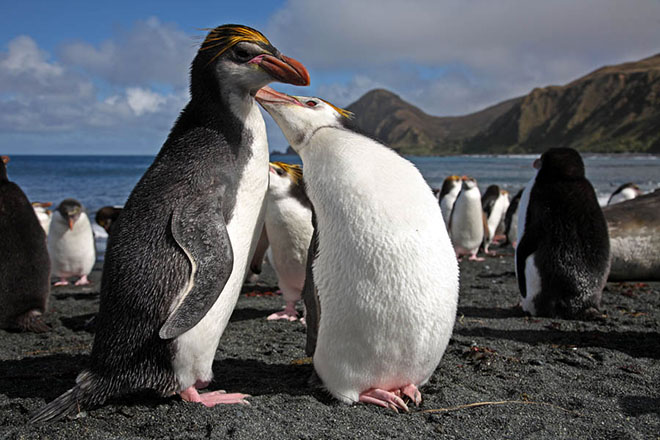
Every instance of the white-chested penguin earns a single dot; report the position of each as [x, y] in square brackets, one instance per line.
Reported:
[627, 191]
[24, 262]
[494, 203]
[180, 248]
[71, 243]
[511, 220]
[44, 215]
[451, 186]
[467, 222]
[563, 252]
[386, 274]
[289, 229]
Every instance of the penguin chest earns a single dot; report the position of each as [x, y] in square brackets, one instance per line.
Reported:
[72, 251]
[533, 285]
[467, 228]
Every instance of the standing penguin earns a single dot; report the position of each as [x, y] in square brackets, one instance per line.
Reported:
[181, 246]
[467, 221]
[289, 228]
[563, 252]
[494, 203]
[511, 220]
[71, 243]
[24, 262]
[386, 275]
[451, 186]
[627, 191]
[107, 216]
[44, 215]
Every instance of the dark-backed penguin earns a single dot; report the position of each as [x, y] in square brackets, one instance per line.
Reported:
[627, 191]
[451, 186]
[467, 222]
[386, 275]
[494, 203]
[563, 252]
[44, 215]
[24, 262]
[634, 227]
[289, 229]
[106, 216]
[511, 220]
[180, 248]
[71, 243]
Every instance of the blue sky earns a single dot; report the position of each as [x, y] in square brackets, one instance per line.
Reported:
[110, 78]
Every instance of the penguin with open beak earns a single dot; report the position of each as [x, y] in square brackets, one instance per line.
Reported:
[181, 246]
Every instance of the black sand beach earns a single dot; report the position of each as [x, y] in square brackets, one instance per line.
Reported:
[504, 375]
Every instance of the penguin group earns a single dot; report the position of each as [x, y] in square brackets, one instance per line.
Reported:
[373, 256]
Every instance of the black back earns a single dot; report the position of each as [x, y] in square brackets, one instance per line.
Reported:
[510, 213]
[621, 188]
[24, 262]
[489, 198]
[566, 230]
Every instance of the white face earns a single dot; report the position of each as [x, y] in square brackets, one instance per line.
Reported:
[235, 67]
[300, 117]
[469, 183]
[279, 182]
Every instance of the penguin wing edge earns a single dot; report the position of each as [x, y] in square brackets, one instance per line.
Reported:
[199, 228]
[310, 294]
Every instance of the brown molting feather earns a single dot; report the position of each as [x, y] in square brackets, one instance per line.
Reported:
[294, 171]
[228, 35]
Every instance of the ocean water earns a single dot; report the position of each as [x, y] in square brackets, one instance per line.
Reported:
[98, 181]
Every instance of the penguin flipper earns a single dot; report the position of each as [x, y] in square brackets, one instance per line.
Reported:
[310, 294]
[199, 227]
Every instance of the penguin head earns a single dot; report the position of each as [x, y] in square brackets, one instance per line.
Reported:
[300, 116]
[106, 216]
[283, 177]
[42, 207]
[559, 164]
[4, 160]
[241, 58]
[70, 210]
[469, 182]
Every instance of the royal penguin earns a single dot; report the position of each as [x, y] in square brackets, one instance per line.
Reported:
[627, 191]
[179, 251]
[451, 186]
[24, 262]
[494, 203]
[71, 243]
[386, 275]
[107, 216]
[44, 215]
[511, 220]
[289, 229]
[467, 222]
[563, 251]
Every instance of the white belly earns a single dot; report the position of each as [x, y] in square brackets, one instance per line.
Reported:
[533, 284]
[72, 252]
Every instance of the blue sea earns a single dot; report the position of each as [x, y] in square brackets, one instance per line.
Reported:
[98, 181]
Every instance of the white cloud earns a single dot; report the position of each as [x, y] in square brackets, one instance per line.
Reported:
[143, 101]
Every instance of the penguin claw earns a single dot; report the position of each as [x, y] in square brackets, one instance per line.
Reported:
[386, 399]
[413, 393]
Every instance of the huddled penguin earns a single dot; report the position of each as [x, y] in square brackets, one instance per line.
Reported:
[451, 186]
[467, 222]
[627, 191]
[180, 248]
[71, 243]
[107, 216]
[289, 229]
[563, 252]
[44, 215]
[494, 203]
[386, 275]
[24, 262]
[511, 221]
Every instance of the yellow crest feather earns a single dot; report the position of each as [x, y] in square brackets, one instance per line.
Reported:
[345, 113]
[294, 171]
[228, 35]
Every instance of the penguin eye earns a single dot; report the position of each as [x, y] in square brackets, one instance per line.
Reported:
[241, 54]
[310, 103]
[280, 171]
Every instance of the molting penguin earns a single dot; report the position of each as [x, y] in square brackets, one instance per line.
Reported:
[563, 252]
[451, 186]
[467, 222]
[181, 246]
[386, 275]
[289, 228]
[511, 220]
[44, 215]
[494, 203]
[71, 243]
[627, 191]
[24, 262]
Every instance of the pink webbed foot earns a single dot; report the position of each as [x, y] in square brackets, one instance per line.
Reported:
[213, 398]
[62, 282]
[383, 398]
[289, 313]
[474, 257]
[83, 281]
[411, 391]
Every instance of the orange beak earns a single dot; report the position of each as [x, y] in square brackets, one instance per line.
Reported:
[283, 69]
[71, 224]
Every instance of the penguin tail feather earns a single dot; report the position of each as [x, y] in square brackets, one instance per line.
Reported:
[71, 402]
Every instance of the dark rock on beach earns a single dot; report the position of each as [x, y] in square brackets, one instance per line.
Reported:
[504, 375]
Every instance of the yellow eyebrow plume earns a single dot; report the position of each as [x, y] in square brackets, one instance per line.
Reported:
[292, 170]
[227, 36]
[345, 113]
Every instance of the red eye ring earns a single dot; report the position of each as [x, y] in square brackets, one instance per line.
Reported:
[310, 103]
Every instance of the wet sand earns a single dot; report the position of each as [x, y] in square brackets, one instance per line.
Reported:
[504, 375]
